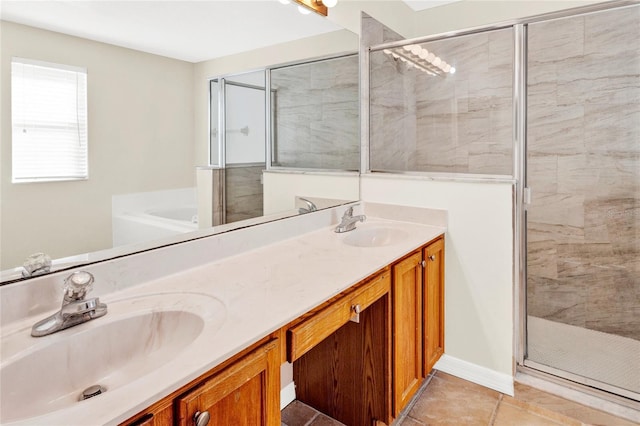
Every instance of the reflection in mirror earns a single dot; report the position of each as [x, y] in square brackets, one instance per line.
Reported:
[317, 114]
[238, 108]
[146, 137]
[244, 142]
[313, 124]
[315, 134]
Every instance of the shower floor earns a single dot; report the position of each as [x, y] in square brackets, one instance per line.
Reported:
[599, 356]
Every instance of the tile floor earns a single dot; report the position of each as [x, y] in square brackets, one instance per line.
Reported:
[448, 400]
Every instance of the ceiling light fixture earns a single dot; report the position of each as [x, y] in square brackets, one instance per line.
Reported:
[420, 58]
[318, 6]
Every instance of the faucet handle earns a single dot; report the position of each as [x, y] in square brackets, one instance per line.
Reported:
[36, 264]
[348, 212]
[77, 285]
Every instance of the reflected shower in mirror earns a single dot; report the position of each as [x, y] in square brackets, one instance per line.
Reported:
[237, 151]
[313, 126]
[317, 116]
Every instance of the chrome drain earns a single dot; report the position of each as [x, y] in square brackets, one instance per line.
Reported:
[92, 391]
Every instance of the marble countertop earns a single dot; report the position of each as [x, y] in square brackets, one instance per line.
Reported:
[256, 292]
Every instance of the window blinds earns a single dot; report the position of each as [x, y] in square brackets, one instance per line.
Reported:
[49, 121]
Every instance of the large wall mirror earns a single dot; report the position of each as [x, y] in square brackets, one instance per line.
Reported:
[151, 166]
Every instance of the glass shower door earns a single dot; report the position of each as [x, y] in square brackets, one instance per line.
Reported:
[583, 170]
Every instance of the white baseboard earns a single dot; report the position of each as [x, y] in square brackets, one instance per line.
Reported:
[476, 374]
[287, 395]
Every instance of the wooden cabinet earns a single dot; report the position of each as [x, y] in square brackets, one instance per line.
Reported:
[407, 329]
[418, 319]
[360, 372]
[345, 374]
[244, 392]
[433, 304]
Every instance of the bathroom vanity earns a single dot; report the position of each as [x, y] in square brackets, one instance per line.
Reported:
[358, 357]
[206, 338]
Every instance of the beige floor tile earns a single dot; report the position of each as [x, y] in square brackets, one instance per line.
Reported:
[511, 415]
[323, 420]
[297, 414]
[408, 421]
[450, 400]
[545, 412]
[579, 412]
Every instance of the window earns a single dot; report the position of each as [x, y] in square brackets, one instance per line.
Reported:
[49, 121]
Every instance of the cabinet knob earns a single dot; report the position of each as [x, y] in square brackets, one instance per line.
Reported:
[201, 419]
[423, 263]
[432, 257]
[355, 309]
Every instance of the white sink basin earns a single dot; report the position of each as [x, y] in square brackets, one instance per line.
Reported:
[47, 374]
[374, 236]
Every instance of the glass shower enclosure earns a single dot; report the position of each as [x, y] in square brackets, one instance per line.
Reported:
[583, 223]
[552, 103]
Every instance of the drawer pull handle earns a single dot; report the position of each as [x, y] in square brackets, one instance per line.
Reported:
[432, 257]
[356, 313]
[201, 419]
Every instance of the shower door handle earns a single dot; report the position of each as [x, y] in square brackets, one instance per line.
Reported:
[526, 195]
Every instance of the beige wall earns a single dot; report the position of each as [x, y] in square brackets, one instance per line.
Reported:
[473, 13]
[395, 14]
[140, 139]
[398, 16]
[478, 262]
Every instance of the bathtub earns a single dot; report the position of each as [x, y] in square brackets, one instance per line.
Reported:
[180, 214]
[153, 224]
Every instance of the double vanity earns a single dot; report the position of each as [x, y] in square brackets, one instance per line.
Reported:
[359, 314]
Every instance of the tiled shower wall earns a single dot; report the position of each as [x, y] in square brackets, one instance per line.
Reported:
[243, 193]
[316, 115]
[460, 123]
[584, 171]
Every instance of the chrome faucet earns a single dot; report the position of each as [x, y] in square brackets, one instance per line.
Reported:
[349, 221]
[75, 308]
[310, 206]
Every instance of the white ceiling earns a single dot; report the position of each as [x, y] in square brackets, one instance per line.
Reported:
[192, 31]
[418, 5]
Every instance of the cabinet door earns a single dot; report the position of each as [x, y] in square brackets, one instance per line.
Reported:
[407, 330]
[433, 304]
[247, 393]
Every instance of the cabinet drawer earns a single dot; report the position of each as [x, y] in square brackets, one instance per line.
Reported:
[305, 335]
